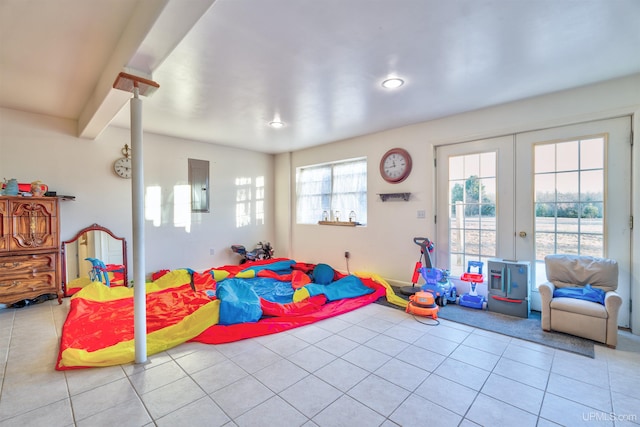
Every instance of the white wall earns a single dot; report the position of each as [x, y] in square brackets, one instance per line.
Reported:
[34, 147]
[385, 245]
[282, 203]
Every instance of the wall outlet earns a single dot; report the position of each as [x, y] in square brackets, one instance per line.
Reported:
[212, 251]
[347, 254]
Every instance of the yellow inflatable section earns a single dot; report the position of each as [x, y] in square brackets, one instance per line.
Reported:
[157, 341]
[392, 298]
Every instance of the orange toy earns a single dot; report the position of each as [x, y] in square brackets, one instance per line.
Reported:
[423, 304]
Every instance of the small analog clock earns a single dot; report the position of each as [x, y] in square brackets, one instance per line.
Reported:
[122, 166]
[395, 165]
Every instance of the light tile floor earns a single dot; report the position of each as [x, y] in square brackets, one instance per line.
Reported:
[375, 366]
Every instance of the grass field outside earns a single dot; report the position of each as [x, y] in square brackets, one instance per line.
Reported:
[474, 238]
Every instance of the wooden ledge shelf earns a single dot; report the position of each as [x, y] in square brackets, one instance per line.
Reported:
[387, 196]
[340, 223]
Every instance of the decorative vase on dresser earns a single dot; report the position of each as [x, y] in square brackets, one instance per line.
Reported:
[29, 248]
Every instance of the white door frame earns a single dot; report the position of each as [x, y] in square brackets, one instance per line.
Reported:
[514, 203]
[617, 132]
[503, 147]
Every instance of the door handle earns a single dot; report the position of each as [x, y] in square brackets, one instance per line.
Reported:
[523, 234]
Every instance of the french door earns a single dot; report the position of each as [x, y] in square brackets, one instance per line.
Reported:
[559, 190]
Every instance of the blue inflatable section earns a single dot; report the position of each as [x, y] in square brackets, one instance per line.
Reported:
[585, 293]
[272, 289]
[239, 303]
[323, 274]
[240, 298]
[347, 287]
[278, 266]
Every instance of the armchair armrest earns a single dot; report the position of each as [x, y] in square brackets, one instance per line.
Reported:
[612, 303]
[546, 295]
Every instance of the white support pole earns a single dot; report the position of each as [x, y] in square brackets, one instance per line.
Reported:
[137, 198]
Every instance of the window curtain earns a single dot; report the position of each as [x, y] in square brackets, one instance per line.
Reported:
[336, 187]
[350, 190]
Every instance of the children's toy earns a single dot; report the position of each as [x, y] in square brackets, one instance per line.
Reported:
[99, 271]
[423, 304]
[426, 247]
[450, 291]
[437, 281]
[261, 251]
[472, 299]
[109, 274]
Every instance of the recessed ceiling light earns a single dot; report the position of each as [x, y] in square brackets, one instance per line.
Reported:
[392, 83]
[276, 125]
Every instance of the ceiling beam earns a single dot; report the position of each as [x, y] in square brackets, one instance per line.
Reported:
[154, 30]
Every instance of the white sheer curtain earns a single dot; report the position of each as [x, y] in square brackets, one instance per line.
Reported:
[332, 187]
[313, 193]
[350, 190]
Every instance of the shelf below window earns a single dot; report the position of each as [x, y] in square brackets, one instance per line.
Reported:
[387, 196]
[341, 223]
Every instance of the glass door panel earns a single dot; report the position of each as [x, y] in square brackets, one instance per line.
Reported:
[478, 205]
[572, 190]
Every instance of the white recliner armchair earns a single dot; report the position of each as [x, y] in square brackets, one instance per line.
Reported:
[587, 319]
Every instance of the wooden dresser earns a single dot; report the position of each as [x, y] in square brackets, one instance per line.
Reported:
[29, 248]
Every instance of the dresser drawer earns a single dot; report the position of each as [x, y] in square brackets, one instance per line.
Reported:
[34, 223]
[15, 287]
[33, 263]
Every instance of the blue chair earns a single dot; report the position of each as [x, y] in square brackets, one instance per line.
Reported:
[99, 271]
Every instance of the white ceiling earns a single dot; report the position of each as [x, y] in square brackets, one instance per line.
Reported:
[226, 68]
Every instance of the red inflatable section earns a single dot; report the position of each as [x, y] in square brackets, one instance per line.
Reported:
[164, 308]
[293, 316]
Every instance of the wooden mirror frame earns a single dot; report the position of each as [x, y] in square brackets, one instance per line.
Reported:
[93, 227]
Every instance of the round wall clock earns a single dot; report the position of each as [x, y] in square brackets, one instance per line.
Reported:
[122, 166]
[395, 165]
